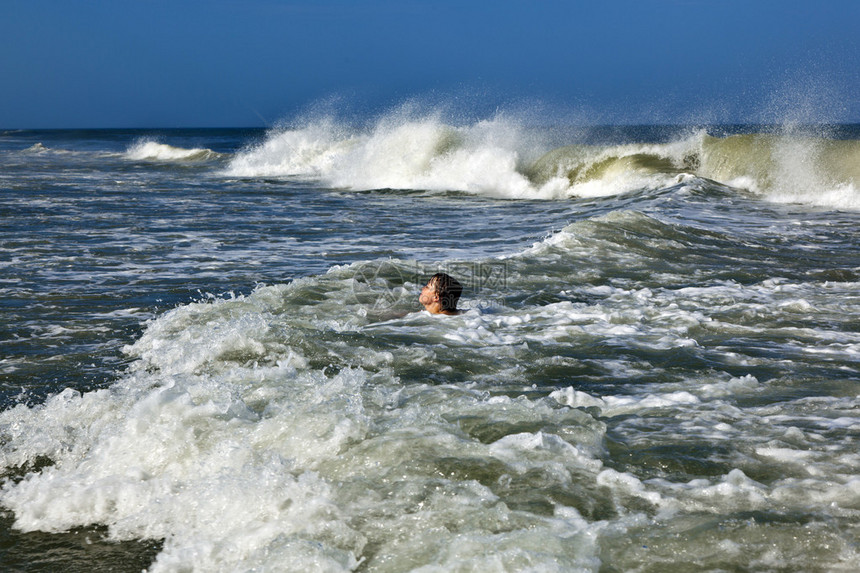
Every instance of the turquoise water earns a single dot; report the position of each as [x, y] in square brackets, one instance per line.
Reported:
[212, 356]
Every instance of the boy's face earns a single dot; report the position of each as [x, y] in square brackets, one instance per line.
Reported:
[428, 294]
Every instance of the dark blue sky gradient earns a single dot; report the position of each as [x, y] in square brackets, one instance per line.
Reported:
[222, 63]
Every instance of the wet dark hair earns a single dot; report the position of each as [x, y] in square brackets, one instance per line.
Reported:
[448, 289]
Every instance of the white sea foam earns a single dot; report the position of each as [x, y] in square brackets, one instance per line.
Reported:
[499, 157]
[36, 148]
[230, 486]
[401, 151]
[225, 443]
[149, 150]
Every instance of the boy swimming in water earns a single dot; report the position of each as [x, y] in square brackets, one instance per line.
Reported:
[440, 294]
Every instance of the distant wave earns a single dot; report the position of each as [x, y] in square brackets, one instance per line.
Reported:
[149, 150]
[499, 158]
[36, 148]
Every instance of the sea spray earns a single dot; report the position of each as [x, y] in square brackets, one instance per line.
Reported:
[502, 158]
[412, 153]
[150, 150]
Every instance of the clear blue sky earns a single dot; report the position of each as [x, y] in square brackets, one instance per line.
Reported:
[222, 63]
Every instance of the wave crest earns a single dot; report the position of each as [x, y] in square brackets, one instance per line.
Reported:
[786, 168]
[149, 150]
[36, 148]
[416, 153]
[500, 158]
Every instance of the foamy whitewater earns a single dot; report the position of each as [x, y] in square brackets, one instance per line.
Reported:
[213, 358]
[500, 158]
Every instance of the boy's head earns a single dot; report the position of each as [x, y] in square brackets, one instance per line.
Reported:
[441, 293]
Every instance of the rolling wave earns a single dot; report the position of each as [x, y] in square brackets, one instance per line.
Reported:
[500, 158]
[149, 150]
[786, 168]
[783, 168]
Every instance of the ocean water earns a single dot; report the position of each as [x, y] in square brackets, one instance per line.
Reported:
[212, 357]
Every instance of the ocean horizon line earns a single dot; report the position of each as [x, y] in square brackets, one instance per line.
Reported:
[668, 125]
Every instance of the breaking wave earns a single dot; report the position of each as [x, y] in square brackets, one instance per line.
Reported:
[149, 150]
[785, 168]
[501, 158]
[36, 148]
